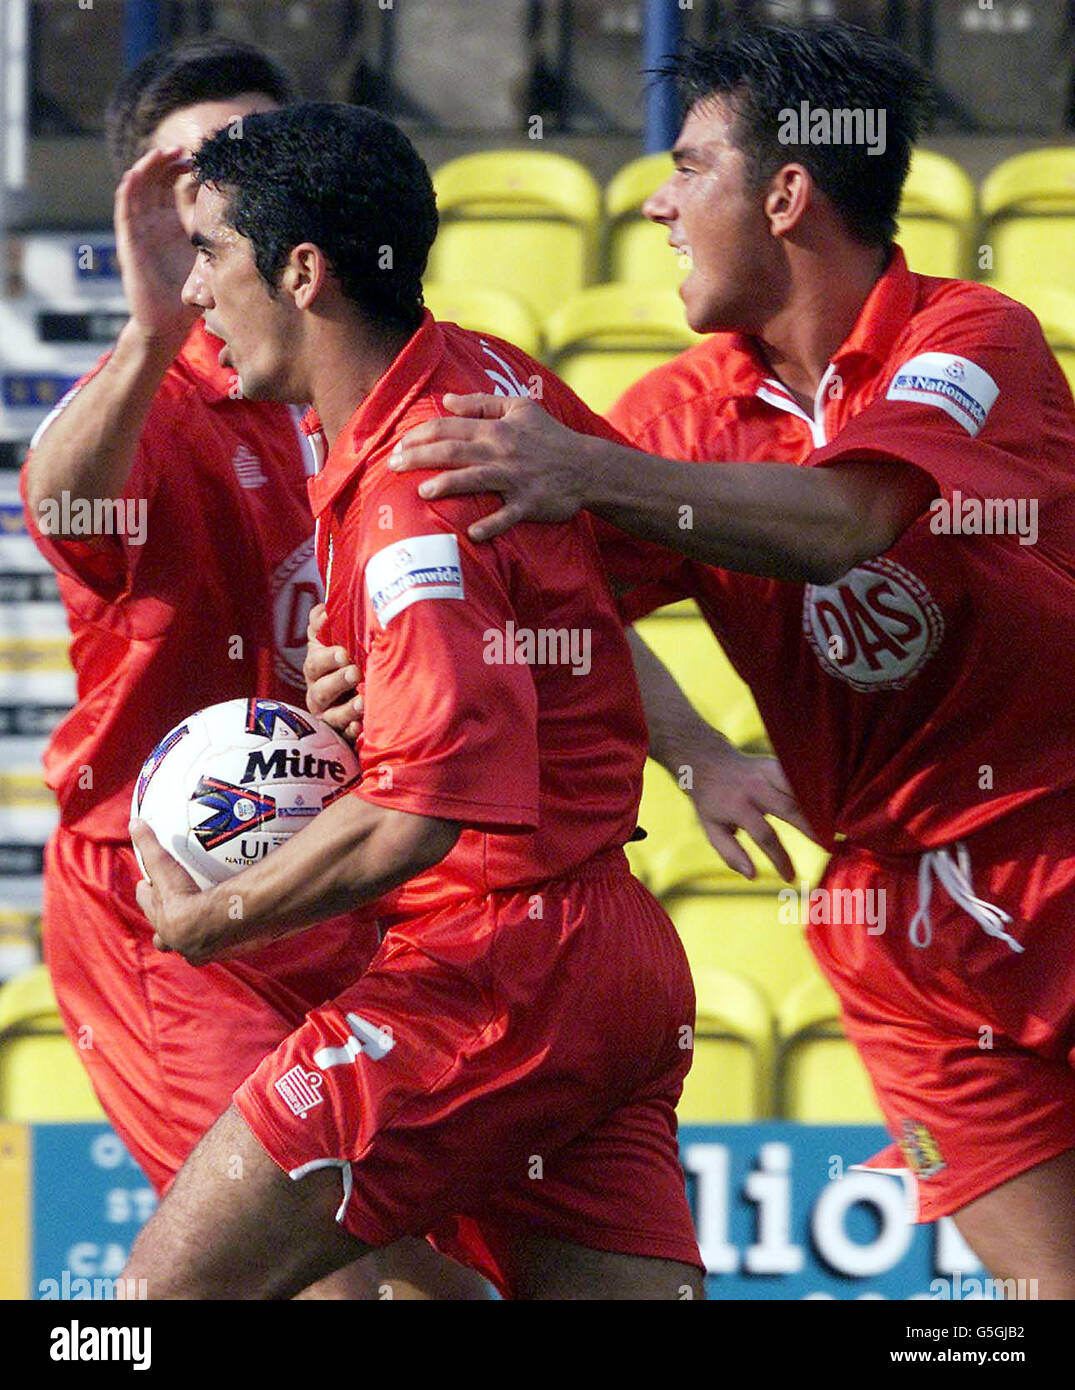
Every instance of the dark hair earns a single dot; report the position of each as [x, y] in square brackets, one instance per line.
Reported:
[769, 69]
[170, 78]
[343, 177]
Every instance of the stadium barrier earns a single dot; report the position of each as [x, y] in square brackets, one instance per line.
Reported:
[781, 1214]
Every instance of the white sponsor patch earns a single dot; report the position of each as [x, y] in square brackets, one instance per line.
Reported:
[875, 628]
[60, 405]
[420, 567]
[958, 386]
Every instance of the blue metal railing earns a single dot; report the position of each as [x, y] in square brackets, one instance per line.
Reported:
[141, 29]
[662, 29]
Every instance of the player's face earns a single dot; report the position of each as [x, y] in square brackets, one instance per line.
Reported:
[713, 215]
[190, 125]
[237, 305]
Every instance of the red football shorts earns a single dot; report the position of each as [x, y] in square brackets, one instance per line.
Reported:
[165, 1044]
[969, 1043]
[509, 1064]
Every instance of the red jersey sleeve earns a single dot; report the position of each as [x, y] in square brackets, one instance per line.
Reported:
[450, 729]
[106, 560]
[642, 575]
[975, 399]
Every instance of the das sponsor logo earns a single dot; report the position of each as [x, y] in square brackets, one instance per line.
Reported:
[296, 587]
[875, 628]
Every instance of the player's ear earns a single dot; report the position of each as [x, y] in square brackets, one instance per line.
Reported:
[304, 274]
[787, 197]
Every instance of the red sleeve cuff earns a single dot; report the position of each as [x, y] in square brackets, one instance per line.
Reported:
[492, 818]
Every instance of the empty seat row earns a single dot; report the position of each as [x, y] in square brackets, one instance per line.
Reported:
[600, 341]
[534, 222]
[537, 224]
[524, 231]
[750, 1063]
[41, 1077]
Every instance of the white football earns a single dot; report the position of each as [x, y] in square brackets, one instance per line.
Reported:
[236, 780]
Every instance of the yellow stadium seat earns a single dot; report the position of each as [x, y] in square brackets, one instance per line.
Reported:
[755, 935]
[730, 1080]
[637, 249]
[604, 338]
[1029, 204]
[524, 221]
[1054, 308]
[41, 1077]
[676, 850]
[937, 216]
[819, 1076]
[682, 639]
[485, 311]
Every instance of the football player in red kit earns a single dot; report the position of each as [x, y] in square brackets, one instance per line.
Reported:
[505, 1073]
[204, 600]
[885, 551]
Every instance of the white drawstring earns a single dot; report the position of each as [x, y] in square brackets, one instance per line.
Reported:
[954, 877]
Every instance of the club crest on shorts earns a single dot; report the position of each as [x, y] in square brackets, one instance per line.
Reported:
[301, 1089]
[921, 1150]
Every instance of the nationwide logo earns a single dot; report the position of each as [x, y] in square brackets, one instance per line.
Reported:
[149, 767]
[915, 381]
[441, 575]
[236, 810]
[422, 567]
[956, 385]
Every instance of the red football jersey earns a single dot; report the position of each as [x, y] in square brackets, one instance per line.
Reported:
[926, 692]
[203, 597]
[498, 685]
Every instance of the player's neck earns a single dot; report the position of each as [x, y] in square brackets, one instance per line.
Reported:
[825, 299]
[347, 363]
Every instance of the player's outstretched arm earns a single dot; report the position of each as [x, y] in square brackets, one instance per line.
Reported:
[778, 520]
[730, 790]
[89, 448]
[351, 853]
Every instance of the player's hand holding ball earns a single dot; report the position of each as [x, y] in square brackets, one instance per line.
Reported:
[331, 681]
[170, 899]
[222, 790]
